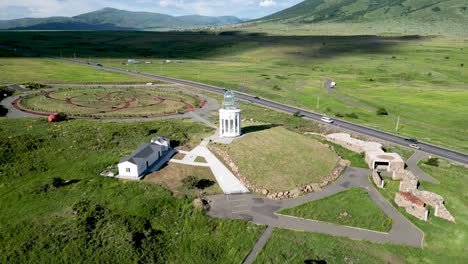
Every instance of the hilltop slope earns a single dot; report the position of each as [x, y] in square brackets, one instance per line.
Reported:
[425, 16]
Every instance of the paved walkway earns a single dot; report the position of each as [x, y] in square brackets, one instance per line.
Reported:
[263, 211]
[226, 180]
[412, 164]
[259, 245]
[13, 112]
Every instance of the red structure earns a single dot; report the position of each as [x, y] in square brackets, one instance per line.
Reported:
[412, 199]
[54, 118]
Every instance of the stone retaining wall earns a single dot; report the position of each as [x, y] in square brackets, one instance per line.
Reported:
[379, 182]
[417, 211]
[409, 183]
[296, 192]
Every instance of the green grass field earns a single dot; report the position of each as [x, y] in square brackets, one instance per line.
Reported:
[351, 208]
[280, 160]
[411, 76]
[21, 70]
[444, 241]
[106, 102]
[89, 218]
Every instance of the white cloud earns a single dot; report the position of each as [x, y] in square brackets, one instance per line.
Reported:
[267, 3]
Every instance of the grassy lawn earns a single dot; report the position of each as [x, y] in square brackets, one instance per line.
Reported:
[356, 159]
[89, 218]
[444, 241]
[404, 152]
[21, 70]
[280, 160]
[173, 174]
[350, 208]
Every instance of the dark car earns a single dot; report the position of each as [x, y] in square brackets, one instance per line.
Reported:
[99, 64]
[256, 97]
[412, 140]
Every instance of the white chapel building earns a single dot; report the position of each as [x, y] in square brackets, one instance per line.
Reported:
[148, 156]
[229, 117]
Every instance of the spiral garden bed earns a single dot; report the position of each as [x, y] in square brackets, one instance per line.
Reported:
[110, 102]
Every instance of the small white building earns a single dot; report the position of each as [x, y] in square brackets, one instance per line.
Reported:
[146, 157]
[229, 117]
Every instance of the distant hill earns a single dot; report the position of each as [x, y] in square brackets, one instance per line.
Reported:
[396, 15]
[115, 19]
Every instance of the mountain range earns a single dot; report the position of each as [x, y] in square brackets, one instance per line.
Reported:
[115, 19]
[394, 15]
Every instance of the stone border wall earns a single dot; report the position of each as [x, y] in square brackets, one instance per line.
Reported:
[378, 180]
[296, 192]
[409, 183]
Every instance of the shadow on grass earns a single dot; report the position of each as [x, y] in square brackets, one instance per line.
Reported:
[189, 45]
[252, 129]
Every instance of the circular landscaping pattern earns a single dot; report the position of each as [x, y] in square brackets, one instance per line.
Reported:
[110, 102]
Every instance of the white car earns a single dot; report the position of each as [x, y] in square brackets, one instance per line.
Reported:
[327, 120]
[415, 146]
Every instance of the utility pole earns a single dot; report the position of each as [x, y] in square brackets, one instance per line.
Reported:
[397, 124]
[318, 103]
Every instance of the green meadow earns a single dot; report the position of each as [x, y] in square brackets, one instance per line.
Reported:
[420, 79]
[57, 209]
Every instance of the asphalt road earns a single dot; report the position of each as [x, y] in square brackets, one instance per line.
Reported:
[396, 139]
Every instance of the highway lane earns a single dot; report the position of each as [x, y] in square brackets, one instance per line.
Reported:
[396, 139]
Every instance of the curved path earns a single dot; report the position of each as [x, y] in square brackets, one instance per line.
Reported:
[412, 164]
[263, 211]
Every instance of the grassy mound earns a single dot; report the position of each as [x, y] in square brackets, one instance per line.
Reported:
[351, 208]
[87, 218]
[280, 160]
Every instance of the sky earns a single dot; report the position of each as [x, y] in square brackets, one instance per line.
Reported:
[11, 9]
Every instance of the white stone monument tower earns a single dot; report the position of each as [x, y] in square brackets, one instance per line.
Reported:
[229, 117]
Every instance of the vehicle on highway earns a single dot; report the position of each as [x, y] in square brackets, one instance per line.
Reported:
[326, 119]
[412, 140]
[415, 146]
[98, 64]
[256, 97]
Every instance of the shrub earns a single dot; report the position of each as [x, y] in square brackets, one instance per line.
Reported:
[436, 9]
[5, 92]
[42, 188]
[57, 182]
[190, 182]
[352, 115]
[35, 86]
[297, 114]
[382, 111]
[432, 162]
[461, 65]
[338, 114]
[276, 88]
